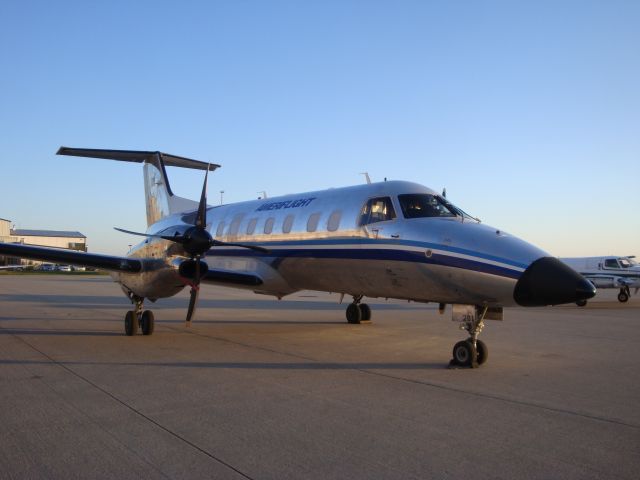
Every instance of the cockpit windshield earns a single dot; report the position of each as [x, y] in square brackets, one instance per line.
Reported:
[420, 205]
[627, 262]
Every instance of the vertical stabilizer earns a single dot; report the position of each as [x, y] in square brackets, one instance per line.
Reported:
[160, 201]
[156, 191]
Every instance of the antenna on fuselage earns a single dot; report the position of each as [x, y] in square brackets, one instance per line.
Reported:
[264, 194]
[444, 193]
[366, 175]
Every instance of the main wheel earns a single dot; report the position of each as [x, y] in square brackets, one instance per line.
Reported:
[623, 297]
[581, 303]
[354, 314]
[483, 351]
[130, 323]
[465, 354]
[147, 322]
[365, 311]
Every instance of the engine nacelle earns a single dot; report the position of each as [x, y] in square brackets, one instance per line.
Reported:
[187, 269]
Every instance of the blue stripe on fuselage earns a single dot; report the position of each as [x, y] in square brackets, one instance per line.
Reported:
[356, 249]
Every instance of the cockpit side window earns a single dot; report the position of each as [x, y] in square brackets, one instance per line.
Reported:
[420, 205]
[611, 263]
[377, 210]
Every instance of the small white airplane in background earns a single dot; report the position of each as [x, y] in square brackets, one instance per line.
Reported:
[388, 240]
[608, 272]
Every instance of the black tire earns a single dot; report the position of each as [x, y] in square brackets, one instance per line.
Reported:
[623, 297]
[130, 323]
[147, 322]
[581, 303]
[465, 354]
[365, 311]
[354, 314]
[482, 352]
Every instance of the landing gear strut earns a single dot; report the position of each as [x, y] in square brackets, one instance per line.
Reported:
[138, 318]
[471, 352]
[358, 312]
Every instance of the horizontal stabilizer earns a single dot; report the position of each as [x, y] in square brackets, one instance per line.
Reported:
[137, 156]
[72, 257]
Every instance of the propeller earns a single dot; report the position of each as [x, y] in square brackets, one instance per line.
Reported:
[196, 241]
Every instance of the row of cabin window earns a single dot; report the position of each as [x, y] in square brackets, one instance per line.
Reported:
[312, 224]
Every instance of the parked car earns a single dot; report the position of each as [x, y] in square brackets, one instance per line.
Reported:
[47, 267]
[64, 268]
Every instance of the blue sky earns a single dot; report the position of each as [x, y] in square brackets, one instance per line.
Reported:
[527, 112]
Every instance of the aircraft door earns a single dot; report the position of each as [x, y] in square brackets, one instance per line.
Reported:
[379, 226]
[377, 219]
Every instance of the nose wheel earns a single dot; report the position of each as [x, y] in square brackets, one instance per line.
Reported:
[466, 354]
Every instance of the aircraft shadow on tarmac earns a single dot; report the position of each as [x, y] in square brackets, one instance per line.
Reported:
[60, 333]
[245, 365]
[99, 301]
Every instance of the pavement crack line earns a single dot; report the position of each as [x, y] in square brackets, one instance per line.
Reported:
[134, 410]
[355, 367]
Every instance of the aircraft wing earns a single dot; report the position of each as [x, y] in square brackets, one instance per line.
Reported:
[609, 281]
[628, 282]
[72, 257]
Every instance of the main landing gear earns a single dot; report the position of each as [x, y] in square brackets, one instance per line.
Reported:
[624, 294]
[471, 352]
[358, 312]
[138, 319]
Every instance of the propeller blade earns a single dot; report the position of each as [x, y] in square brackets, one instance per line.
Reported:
[201, 217]
[195, 291]
[172, 238]
[136, 233]
[193, 299]
[218, 243]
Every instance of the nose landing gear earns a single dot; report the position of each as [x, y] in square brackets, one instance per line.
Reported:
[470, 353]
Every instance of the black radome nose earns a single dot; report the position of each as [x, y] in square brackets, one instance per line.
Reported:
[548, 281]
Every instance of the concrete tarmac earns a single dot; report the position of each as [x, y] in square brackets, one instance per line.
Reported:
[267, 389]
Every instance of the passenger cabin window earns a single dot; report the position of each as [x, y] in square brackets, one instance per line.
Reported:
[251, 227]
[287, 224]
[312, 223]
[334, 221]
[235, 224]
[377, 210]
[220, 229]
[421, 205]
[268, 225]
[611, 263]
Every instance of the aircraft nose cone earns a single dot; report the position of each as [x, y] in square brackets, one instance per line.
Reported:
[548, 281]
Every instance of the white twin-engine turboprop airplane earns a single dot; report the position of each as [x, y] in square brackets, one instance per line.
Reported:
[608, 272]
[390, 239]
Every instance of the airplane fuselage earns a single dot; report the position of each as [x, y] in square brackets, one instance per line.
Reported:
[321, 241]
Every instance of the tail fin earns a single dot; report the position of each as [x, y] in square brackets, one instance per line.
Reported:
[160, 199]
